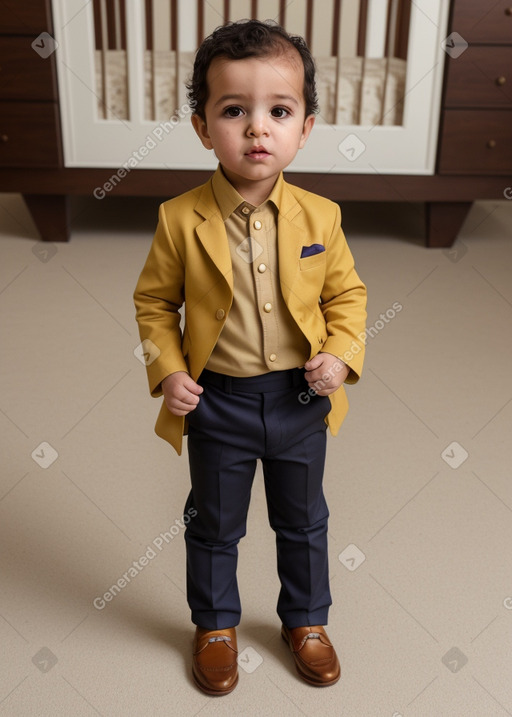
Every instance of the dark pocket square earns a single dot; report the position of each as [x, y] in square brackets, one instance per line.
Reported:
[311, 250]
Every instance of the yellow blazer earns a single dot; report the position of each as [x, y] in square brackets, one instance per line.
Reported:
[189, 264]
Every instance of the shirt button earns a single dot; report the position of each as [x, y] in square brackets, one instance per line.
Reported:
[272, 357]
[257, 224]
[219, 314]
[267, 307]
[245, 210]
[262, 268]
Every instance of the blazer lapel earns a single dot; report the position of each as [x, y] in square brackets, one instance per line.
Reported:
[212, 233]
[291, 237]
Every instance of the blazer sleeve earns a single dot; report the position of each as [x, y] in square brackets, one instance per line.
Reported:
[158, 297]
[343, 303]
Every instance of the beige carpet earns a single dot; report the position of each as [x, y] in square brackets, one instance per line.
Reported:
[418, 484]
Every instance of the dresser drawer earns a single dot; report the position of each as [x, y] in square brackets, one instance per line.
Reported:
[24, 75]
[29, 134]
[481, 21]
[476, 142]
[480, 77]
[25, 17]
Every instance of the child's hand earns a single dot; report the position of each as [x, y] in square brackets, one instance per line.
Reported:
[181, 393]
[325, 373]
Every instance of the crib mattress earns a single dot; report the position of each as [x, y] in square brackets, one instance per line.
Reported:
[351, 90]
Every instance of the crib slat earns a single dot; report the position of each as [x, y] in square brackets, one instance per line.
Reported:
[98, 33]
[123, 24]
[150, 48]
[104, 45]
[104, 25]
[361, 49]
[336, 28]
[335, 47]
[389, 38]
[117, 25]
[402, 30]
[361, 33]
[376, 28]
[200, 22]
[394, 17]
[174, 25]
[282, 13]
[111, 24]
[135, 37]
[97, 24]
[149, 24]
[309, 22]
[390, 26]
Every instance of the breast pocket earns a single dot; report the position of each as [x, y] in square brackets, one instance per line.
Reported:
[313, 261]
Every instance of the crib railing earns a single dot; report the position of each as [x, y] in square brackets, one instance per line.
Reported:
[322, 23]
[122, 67]
[360, 48]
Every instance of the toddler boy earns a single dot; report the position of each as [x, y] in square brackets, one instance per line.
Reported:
[274, 311]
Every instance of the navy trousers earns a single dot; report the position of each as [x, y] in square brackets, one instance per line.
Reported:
[238, 421]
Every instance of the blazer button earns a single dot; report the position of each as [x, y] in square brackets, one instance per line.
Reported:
[268, 307]
[272, 357]
[219, 314]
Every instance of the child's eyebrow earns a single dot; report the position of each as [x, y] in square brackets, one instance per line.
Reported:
[286, 98]
[241, 97]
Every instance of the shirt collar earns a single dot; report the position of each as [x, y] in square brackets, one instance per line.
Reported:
[228, 199]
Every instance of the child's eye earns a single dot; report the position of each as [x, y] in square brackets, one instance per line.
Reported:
[279, 112]
[233, 111]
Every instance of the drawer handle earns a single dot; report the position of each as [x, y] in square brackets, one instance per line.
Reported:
[491, 144]
[500, 81]
[508, 11]
[4, 137]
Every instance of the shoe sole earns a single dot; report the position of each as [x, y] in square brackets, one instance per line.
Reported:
[214, 693]
[302, 675]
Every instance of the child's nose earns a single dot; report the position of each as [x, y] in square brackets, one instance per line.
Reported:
[257, 126]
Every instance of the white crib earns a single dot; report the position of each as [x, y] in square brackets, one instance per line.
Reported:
[122, 65]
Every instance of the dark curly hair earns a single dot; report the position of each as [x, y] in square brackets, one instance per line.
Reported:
[242, 39]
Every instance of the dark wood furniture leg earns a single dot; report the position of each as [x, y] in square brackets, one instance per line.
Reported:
[50, 214]
[444, 221]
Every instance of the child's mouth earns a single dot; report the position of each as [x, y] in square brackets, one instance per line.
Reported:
[258, 153]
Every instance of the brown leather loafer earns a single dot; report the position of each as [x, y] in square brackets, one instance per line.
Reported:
[214, 664]
[315, 658]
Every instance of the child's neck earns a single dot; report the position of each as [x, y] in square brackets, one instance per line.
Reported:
[253, 192]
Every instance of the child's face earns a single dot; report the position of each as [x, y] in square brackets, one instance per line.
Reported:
[255, 119]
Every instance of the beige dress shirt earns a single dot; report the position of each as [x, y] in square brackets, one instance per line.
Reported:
[260, 334]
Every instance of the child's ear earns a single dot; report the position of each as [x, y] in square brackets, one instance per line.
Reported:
[202, 131]
[308, 126]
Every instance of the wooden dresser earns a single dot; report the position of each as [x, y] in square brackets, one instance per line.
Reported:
[30, 133]
[474, 148]
[476, 123]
